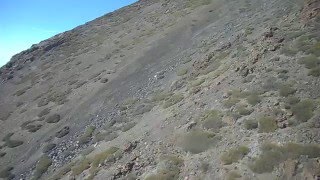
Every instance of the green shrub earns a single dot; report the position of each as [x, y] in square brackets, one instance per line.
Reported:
[126, 127]
[244, 111]
[272, 155]
[286, 90]
[42, 166]
[174, 99]
[292, 100]
[161, 95]
[80, 167]
[253, 99]
[63, 132]
[230, 102]
[197, 82]
[310, 61]
[48, 147]
[53, 118]
[212, 120]
[182, 72]
[33, 127]
[250, 124]
[6, 173]
[86, 137]
[44, 112]
[267, 124]
[314, 72]
[234, 155]
[303, 110]
[197, 141]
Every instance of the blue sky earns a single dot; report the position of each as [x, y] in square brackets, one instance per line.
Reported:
[27, 22]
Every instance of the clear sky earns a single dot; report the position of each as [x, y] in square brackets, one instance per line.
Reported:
[27, 22]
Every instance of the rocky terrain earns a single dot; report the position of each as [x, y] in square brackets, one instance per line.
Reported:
[169, 89]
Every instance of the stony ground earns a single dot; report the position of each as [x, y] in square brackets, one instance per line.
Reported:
[169, 89]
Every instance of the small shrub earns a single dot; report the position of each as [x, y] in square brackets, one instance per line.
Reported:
[174, 99]
[182, 72]
[2, 154]
[44, 112]
[250, 124]
[233, 175]
[101, 157]
[267, 124]
[272, 155]
[303, 110]
[33, 127]
[43, 102]
[244, 111]
[86, 137]
[197, 141]
[253, 99]
[6, 173]
[314, 72]
[53, 118]
[47, 148]
[230, 102]
[310, 61]
[126, 127]
[197, 82]
[286, 90]
[80, 167]
[212, 120]
[234, 155]
[63, 132]
[292, 100]
[42, 166]
[161, 95]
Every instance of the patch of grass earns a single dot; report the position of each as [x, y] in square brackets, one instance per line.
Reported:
[174, 99]
[61, 172]
[48, 147]
[42, 166]
[182, 72]
[80, 167]
[286, 90]
[53, 118]
[272, 155]
[212, 120]
[230, 102]
[234, 155]
[303, 110]
[250, 124]
[197, 141]
[6, 173]
[86, 137]
[267, 124]
[63, 132]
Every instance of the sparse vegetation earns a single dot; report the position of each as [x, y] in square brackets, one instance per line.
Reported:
[212, 120]
[243, 110]
[303, 110]
[86, 137]
[44, 112]
[250, 124]
[233, 175]
[230, 102]
[182, 72]
[310, 61]
[48, 147]
[11, 143]
[267, 125]
[197, 82]
[63, 132]
[286, 90]
[161, 95]
[42, 166]
[174, 99]
[197, 141]
[314, 72]
[128, 126]
[53, 118]
[234, 155]
[253, 99]
[6, 173]
[272, 155]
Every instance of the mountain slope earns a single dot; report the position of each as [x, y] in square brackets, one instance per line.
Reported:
[169, 89]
